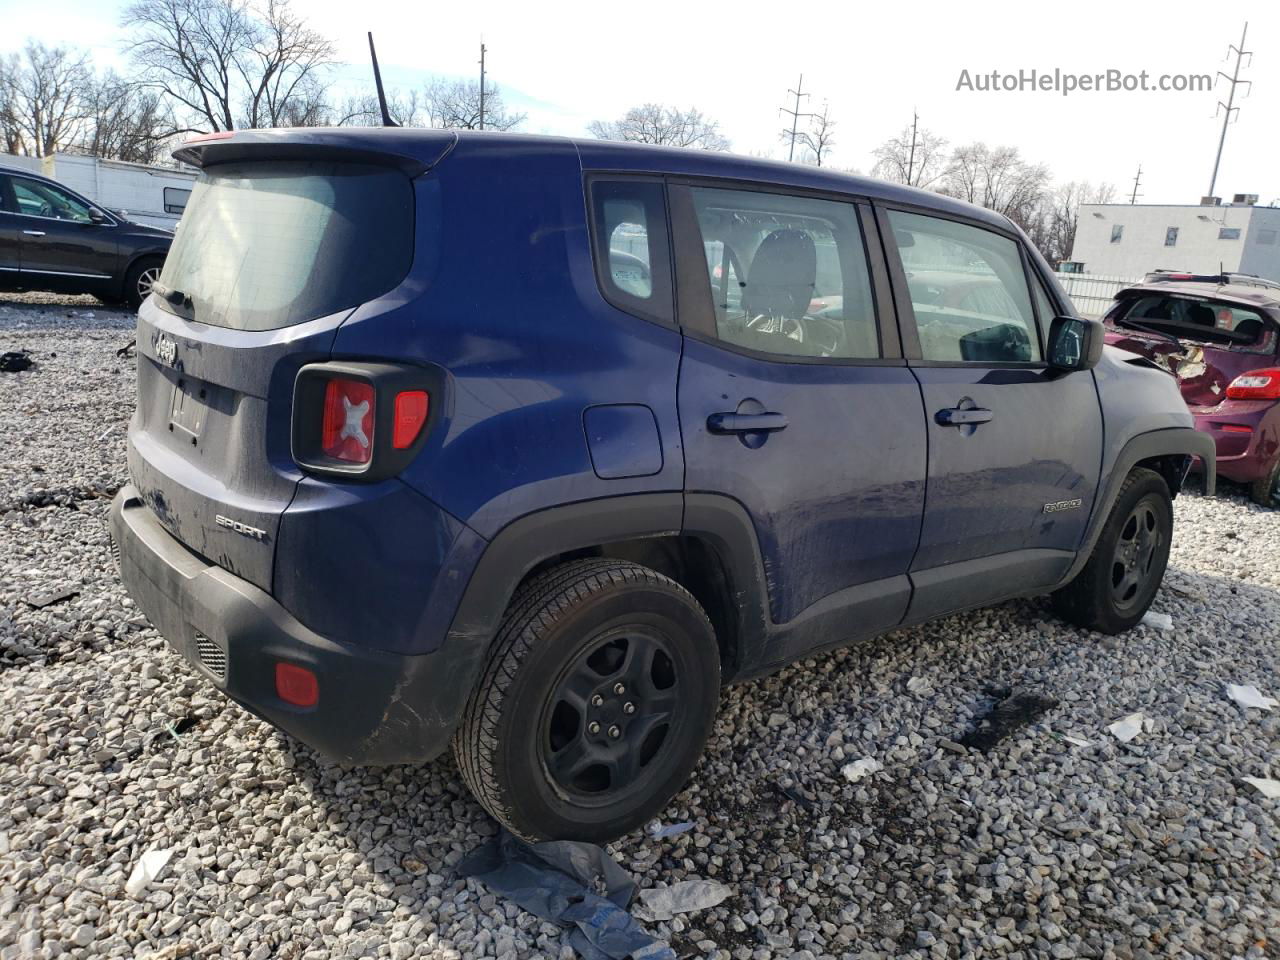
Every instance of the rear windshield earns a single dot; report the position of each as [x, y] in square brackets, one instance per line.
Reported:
[266, 245]
[1206, 321]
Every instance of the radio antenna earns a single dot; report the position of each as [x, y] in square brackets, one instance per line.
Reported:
[377, 79]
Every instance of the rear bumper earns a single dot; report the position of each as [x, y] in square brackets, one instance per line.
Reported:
[1246, 435]
[374, 707]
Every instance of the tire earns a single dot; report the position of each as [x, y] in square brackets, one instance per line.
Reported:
[571, 638]
[1127, 565]
[142, 274]
[1265, 491]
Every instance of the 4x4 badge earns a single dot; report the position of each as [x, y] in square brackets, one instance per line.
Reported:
[166, 350]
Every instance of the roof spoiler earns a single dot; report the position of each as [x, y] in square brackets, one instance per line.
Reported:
[412, 151]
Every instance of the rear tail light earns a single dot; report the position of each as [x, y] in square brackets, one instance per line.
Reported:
[296, 685]
[347, 429]
[1256, 385]
[362, 420]
[411, 414]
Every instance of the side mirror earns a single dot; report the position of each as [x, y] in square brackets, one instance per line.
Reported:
[97, 216]
[1075, 343]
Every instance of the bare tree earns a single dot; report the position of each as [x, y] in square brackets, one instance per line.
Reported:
[42, 98]
[916, 157]
[819, 138]
[223, 63]
[669, 126]
[455, 105]
[1062, 215]
[999, 179]
[126, 121]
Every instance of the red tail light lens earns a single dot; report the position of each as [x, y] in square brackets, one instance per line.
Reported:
[296, 685]
[411, 414]
[1256, 385]
[347, 429]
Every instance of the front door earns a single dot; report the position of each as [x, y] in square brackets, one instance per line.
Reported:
[1015, 447]
[10, 236]
[794, 405]
[62, 248]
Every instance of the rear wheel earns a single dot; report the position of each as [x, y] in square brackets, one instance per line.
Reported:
[1265, 491]
[140, 279]
[598, 697]
[1127, 565]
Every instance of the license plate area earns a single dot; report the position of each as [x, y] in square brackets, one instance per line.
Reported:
[188, 409]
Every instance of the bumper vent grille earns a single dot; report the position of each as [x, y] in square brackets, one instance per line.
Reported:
[115, 552]
[212, 656]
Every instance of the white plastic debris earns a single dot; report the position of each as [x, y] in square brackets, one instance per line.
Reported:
[658, 831]
[1076, 741]
[853, 772]
[147, 870]
[1159, 621]
[686, 896]
[1268, 788]
[1126, 728]
[918, 685]
[1250, 696]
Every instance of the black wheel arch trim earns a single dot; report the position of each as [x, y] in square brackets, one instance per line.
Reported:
[1171, 441]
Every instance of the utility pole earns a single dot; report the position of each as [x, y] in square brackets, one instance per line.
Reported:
[1229, 107]
[482, 50]
[1137, 179]
[795, 116]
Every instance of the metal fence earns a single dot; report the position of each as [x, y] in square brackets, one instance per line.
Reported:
[1092, 293]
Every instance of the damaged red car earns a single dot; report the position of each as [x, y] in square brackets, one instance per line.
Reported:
[1220, 341]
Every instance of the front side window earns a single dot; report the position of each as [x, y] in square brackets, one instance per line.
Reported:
[633, 262]
[1171, 237]
[37, 199]
[788, 274]
[968, 291]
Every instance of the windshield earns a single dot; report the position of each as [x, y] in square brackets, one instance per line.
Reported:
[266, 245]
[1207, 321]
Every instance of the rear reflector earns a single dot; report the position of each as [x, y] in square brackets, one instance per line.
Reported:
[1256, 385]
[296, 685]
[347, 430]
[1234, 428]
[411, 414]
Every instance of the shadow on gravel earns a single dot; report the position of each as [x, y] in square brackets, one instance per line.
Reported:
[1011, 711]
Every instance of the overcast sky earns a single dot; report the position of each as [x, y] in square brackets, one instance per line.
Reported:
[568, 64]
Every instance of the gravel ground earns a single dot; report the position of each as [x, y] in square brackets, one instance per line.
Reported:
[110, 746]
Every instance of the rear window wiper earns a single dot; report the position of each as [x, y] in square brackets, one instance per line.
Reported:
[1151, 330]
[175, 297]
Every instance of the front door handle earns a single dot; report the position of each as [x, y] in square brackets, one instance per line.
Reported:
[963, 416]
[34, 233]
[724, 423]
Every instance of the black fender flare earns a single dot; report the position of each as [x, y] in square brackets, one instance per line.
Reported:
[1186, 441]
[720, 522]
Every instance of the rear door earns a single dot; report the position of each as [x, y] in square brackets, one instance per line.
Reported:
[62, 247]
[794, 403]
[1015, 447]
[271, 258]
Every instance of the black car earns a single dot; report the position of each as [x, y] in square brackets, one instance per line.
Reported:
[51, 238]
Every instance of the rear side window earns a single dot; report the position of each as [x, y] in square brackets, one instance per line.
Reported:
[788, 274]
[266, 245]
[968, 291]
[631, 250]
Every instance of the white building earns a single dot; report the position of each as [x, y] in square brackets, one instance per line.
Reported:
[1130, 240]
[148, 194]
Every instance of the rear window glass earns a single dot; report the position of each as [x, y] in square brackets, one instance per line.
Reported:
[1223, 324]
[266, 245]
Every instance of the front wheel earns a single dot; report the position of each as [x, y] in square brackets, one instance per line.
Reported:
[1127, 565]
[140, 279]
[596, 702]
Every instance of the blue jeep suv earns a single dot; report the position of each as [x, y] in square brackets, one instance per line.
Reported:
[528, 445]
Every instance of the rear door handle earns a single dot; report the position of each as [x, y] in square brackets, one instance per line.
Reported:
[746, 422]
[34, 233]
[960, 416]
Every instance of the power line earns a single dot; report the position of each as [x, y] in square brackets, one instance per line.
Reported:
[1229, 109]
[795, 116]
